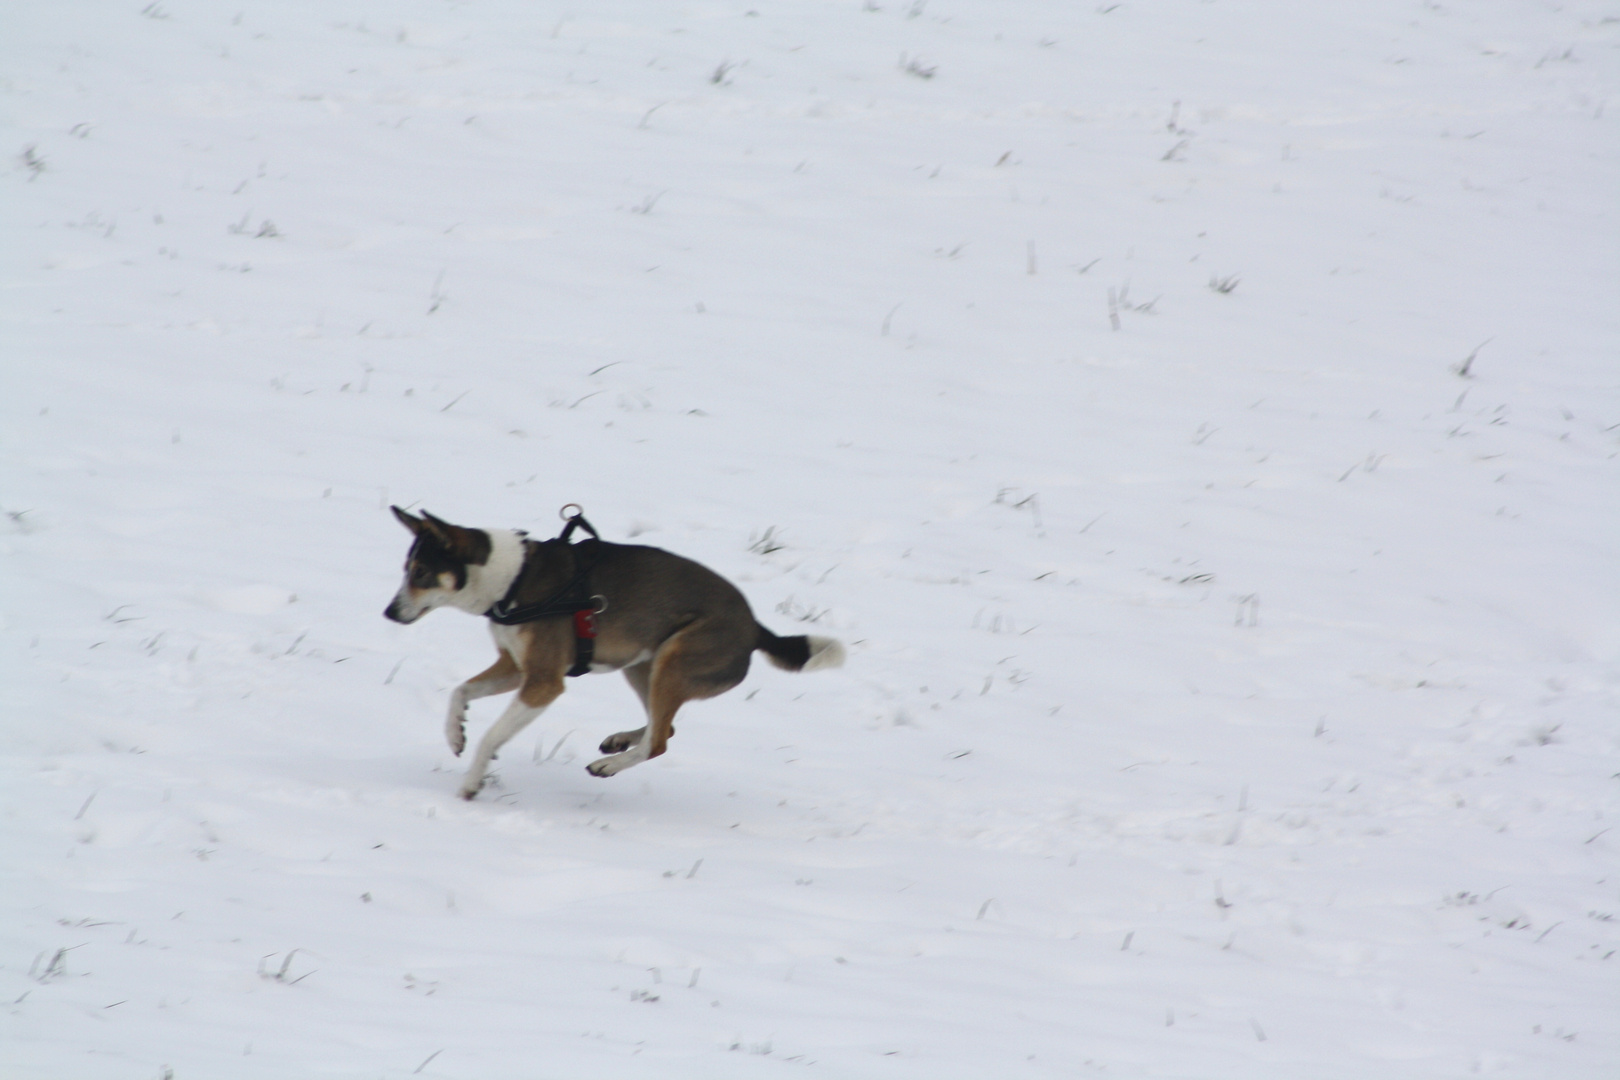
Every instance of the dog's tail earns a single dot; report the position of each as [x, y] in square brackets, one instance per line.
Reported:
[803, 652]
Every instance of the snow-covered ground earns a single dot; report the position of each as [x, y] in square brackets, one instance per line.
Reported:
[1198, 418]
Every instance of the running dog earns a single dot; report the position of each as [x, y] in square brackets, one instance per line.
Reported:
[678, 630]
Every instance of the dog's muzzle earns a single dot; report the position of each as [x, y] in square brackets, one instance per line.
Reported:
[401, 612]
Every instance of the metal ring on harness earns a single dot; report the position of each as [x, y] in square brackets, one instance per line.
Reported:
[576, 520]
[601, 603]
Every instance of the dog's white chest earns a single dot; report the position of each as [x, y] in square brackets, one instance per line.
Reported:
[508, 639]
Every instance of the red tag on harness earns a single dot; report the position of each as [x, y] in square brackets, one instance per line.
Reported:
[585, 624]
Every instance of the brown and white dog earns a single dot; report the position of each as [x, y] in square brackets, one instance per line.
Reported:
[677, 630]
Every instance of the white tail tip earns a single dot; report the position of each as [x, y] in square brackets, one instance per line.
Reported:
[825, 652]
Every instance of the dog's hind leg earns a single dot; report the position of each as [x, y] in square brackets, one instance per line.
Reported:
[499, 678]
[638, 676]
[698, 662]
[531, 701]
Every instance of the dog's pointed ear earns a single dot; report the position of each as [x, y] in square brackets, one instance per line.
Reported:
[441, 530]
[468, 545]
[405, 519]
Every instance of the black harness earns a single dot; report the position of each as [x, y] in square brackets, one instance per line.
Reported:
[575, 598]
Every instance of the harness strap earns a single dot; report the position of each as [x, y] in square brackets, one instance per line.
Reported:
[575, 598]
[576, 520]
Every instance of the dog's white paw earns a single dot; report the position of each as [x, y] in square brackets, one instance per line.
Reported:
[609, 766]
[455, 733]
[617, 763]
[622, 741]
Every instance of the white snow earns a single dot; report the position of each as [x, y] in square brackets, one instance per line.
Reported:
[1232, 675]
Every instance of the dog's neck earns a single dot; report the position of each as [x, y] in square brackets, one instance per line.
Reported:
[488, 583]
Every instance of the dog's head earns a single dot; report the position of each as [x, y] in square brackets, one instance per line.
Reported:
[438, 567]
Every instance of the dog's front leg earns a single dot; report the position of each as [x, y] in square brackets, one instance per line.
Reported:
[499, 678]
[532, 699]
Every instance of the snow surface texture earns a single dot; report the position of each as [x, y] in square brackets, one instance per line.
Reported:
[1198, 419]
